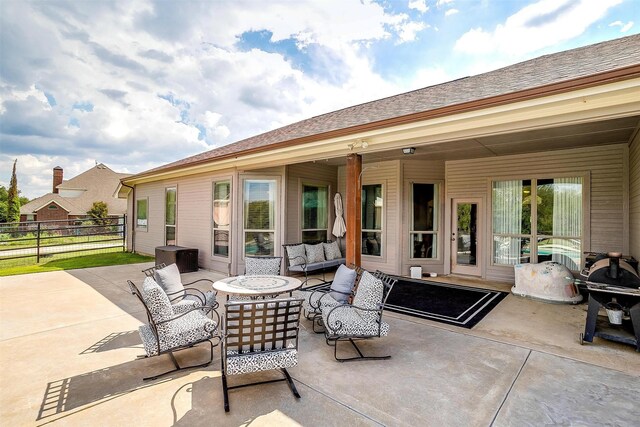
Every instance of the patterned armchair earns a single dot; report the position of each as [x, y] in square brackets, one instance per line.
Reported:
[262, 265]
[169, 330]
[362, 319]
[260, 336]
[185, 296]
[331, 293]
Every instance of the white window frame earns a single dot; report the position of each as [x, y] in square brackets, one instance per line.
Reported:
[436, 220]
[144, 227]
[534, 236]
[226, 228]
[175, 226]
[318, 185]
[276, 212]
[382, 222]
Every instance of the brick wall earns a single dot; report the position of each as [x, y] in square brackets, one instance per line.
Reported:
[46, 214]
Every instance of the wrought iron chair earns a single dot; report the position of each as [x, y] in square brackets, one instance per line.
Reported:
[260, 336]
[168, 330]
[337, 291]
[183, 296]
[260, 266]
[362, 319]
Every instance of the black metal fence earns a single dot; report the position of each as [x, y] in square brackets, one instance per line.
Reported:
[38, 241]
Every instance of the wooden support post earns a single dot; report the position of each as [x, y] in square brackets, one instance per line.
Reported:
[353, 217]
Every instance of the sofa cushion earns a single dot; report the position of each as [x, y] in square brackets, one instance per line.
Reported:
[342, 285]
[296, 255]
[331, 250]
[169, 279]
[315, 253]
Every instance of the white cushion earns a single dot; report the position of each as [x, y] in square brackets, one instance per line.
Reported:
[343, 282]
[315, 253]
[169, 279]
[296, 255]
[332, 250]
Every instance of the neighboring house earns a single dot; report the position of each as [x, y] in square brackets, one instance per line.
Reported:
[74, 197]
[535, 161]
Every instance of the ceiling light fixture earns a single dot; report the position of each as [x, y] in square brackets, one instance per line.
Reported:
[408, 150]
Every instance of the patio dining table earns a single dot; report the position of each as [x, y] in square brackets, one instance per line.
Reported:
[257, 286]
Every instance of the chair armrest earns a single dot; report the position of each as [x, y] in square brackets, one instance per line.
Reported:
[345, 307]
[205, 309]
[196, 281]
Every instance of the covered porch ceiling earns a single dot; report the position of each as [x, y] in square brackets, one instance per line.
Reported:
[606, 132]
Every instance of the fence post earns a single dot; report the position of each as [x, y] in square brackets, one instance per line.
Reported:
[124, 233]
[38, 244]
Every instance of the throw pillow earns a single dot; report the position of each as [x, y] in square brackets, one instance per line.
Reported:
[343, 282]
[169, 279]
[156, 300]
[332, 250]
[296, 255]
[315, 253]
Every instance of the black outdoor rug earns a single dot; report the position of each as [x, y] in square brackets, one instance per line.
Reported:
[452, 304]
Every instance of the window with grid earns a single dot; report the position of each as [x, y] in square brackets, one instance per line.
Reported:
[372, 208]
[538, 220]
[259, 205]
[221, 217]
[423, 235]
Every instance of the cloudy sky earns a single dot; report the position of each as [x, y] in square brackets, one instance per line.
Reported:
[136, 84]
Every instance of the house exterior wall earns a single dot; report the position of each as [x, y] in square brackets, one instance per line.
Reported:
[46, 214]
[420, 171]
[389, 175]
[307, 173]
[147, 239]
[634, 197]
[605, 169]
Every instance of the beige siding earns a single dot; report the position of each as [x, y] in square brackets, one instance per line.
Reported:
[634, 197]
[389, 175]
[146, 241]
[420, 171]
[606, 166]
[310, 173]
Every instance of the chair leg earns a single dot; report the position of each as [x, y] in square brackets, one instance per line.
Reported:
[292, 386]
[360, 356]
[225, 391]
[179, 368]
[317, 320]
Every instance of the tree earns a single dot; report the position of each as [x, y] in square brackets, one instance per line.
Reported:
[13, 200]
[99, 211]
[4, 195]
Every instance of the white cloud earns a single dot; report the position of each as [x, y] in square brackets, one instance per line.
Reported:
[419, 5]
[536, 26]
[624, 27]
[440, 3]
[450, 12]
[409, 30]
[150, 90]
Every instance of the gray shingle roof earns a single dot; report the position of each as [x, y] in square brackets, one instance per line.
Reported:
[99, 184]
[535, 73]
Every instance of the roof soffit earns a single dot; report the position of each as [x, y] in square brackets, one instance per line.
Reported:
[591, 103]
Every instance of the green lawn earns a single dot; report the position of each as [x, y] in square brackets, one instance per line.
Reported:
[86, 261]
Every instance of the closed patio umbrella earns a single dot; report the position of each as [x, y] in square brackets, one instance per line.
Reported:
[339, 227]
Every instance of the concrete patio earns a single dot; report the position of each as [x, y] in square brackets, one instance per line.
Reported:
[69, 341]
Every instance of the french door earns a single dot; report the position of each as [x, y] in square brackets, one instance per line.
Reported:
[466, 247]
